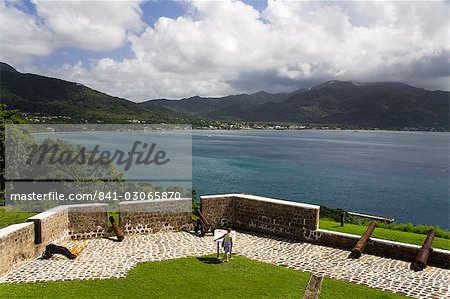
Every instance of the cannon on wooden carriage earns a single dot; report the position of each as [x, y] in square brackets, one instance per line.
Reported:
[203, 226]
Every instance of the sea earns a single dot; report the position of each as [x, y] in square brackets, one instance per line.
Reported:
[400, 175]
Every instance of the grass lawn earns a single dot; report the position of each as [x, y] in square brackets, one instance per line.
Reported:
[195, 277]
[383, 233]
[8, 218]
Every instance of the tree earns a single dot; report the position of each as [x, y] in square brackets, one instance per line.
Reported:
[6, 117]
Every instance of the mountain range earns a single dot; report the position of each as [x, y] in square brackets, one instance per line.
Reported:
[390, 105]
[32, 93]
[387, 105]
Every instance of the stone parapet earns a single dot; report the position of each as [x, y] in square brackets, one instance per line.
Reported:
[51, 226]
[16, 246]
[218, 207]
[151, 216]
[261, 214]
[88, 221]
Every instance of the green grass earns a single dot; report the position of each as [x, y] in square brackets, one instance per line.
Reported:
[383, 233]
[334, 214]
[195, 277]
[115, 215]
[8, 218]
[339, 289]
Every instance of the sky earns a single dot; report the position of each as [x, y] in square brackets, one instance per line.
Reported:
[141, 50]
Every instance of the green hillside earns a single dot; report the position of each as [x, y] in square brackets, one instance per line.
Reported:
[384, 105]
[38, 94]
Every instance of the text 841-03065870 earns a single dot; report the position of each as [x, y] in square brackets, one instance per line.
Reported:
[95, 196]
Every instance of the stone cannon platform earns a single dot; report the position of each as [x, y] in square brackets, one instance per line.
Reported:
[104, 258]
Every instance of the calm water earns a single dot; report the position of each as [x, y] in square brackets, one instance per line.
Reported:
[403, 175]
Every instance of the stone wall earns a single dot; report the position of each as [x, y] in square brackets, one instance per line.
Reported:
[21, 242]
[261, 214]
[16, 246]
[51, 226]
[88, 221]
[218, 207]
[152, 216]
[70, 221]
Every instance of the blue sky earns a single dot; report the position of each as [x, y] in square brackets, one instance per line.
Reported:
[174, 49]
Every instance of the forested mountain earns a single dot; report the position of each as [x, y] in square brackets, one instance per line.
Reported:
[39, 94]
[388, 105]
[214, 106]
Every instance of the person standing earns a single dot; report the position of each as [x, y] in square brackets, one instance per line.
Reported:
[227, 244]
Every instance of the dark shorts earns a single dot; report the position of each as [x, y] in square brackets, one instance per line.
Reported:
[227, 247]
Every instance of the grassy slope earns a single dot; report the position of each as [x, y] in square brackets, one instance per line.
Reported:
[382, 233]
[196, 278]
[8, 218]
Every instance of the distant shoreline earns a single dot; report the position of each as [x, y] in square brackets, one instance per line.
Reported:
[253, 130]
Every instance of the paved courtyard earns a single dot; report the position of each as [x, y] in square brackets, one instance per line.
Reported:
[103, 258]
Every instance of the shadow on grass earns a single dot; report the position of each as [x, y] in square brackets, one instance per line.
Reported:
[209, 260]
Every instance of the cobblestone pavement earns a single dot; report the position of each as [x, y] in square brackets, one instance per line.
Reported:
[103, 258]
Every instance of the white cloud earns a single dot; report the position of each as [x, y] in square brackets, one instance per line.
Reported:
[96, 25]
[225, 47]
[21, 35]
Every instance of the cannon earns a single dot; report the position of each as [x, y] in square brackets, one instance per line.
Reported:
[52, 249]
[361, 245]
[203, 226]
[422, 257]
[117, 231]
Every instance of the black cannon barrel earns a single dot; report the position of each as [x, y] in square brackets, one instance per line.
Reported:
[203, 226]
[52, 249]
[203, 218]
[422, 257]
[361, 245]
